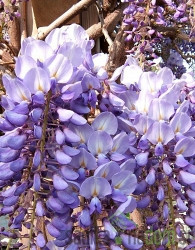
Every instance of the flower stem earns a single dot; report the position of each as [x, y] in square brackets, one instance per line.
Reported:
[32, 220]
[42, 147]
[96, 231]
[170, 195]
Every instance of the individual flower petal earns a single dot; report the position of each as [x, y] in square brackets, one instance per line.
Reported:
[161, 193]
[95, 186]
[53, 231]
[59, 68]
[62, 158]
[96, 143]
[144, 202]
[23, 65]
[142, 158]
[120, 143]
[70, 136]
[89, 82]
[107, 170]
[160, 110]
[186, 177]
[130, 75]
[37, 158]
[129, 165]
[181, 161]
[60, 137]
[131, 242]
[185, 146]
[95, 205]
[181, 122]
[70, 151]
[54, 204]
[37, 132]
[15, 118]
[142, 123]
[36, 114]
[84, 159]
[167, 168]
[126, 207]
[65, 197]
[102, 122]
[110, 230]
[59, 183]
[37, 79]
[181, 205]
[150, 82]
[15, 90]
[64, 114]
[8, 155]
[189, 221]
[83, 132]
[115, 100]
[5, 172]
[85, 218]
[150, 178]
[68, 173]
[71, 91]
[11, 200]
[159, 132]
[125, 181]
[78, 119]
[38, 50]
[40, 211]
[37, 182]
[41, 240]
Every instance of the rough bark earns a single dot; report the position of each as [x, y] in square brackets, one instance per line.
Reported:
[110, 22]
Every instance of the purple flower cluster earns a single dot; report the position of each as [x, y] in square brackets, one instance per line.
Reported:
[157, 112]
[62, 172]
[9, 10]
[71, 178]
[143, 17]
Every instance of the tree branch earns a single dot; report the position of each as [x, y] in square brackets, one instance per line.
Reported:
[23, 24]
[110, 22]
[67, 16]
[117, 51]
[101, 17]
[173, 32]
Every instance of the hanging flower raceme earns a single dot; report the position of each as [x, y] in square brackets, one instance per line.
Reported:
[157, 116]
[59, 172]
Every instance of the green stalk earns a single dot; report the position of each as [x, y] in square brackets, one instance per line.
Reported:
[42, 147]
[172, 212]
[96, 231]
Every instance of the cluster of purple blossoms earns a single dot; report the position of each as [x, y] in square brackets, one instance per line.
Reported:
[72, 179]
[144, 16]
[157, 113]
[9, 10]
[65, 177]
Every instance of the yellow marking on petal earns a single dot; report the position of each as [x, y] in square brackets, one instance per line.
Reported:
[114, 148]
[144, 130]
[181, 151]
[95, 193]
[99, 150]
[160, 139]
[160, 117]
[83, 164]
[23, 97]
[40, 88]
[104, 174]
[55, 75]
[177, 129]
